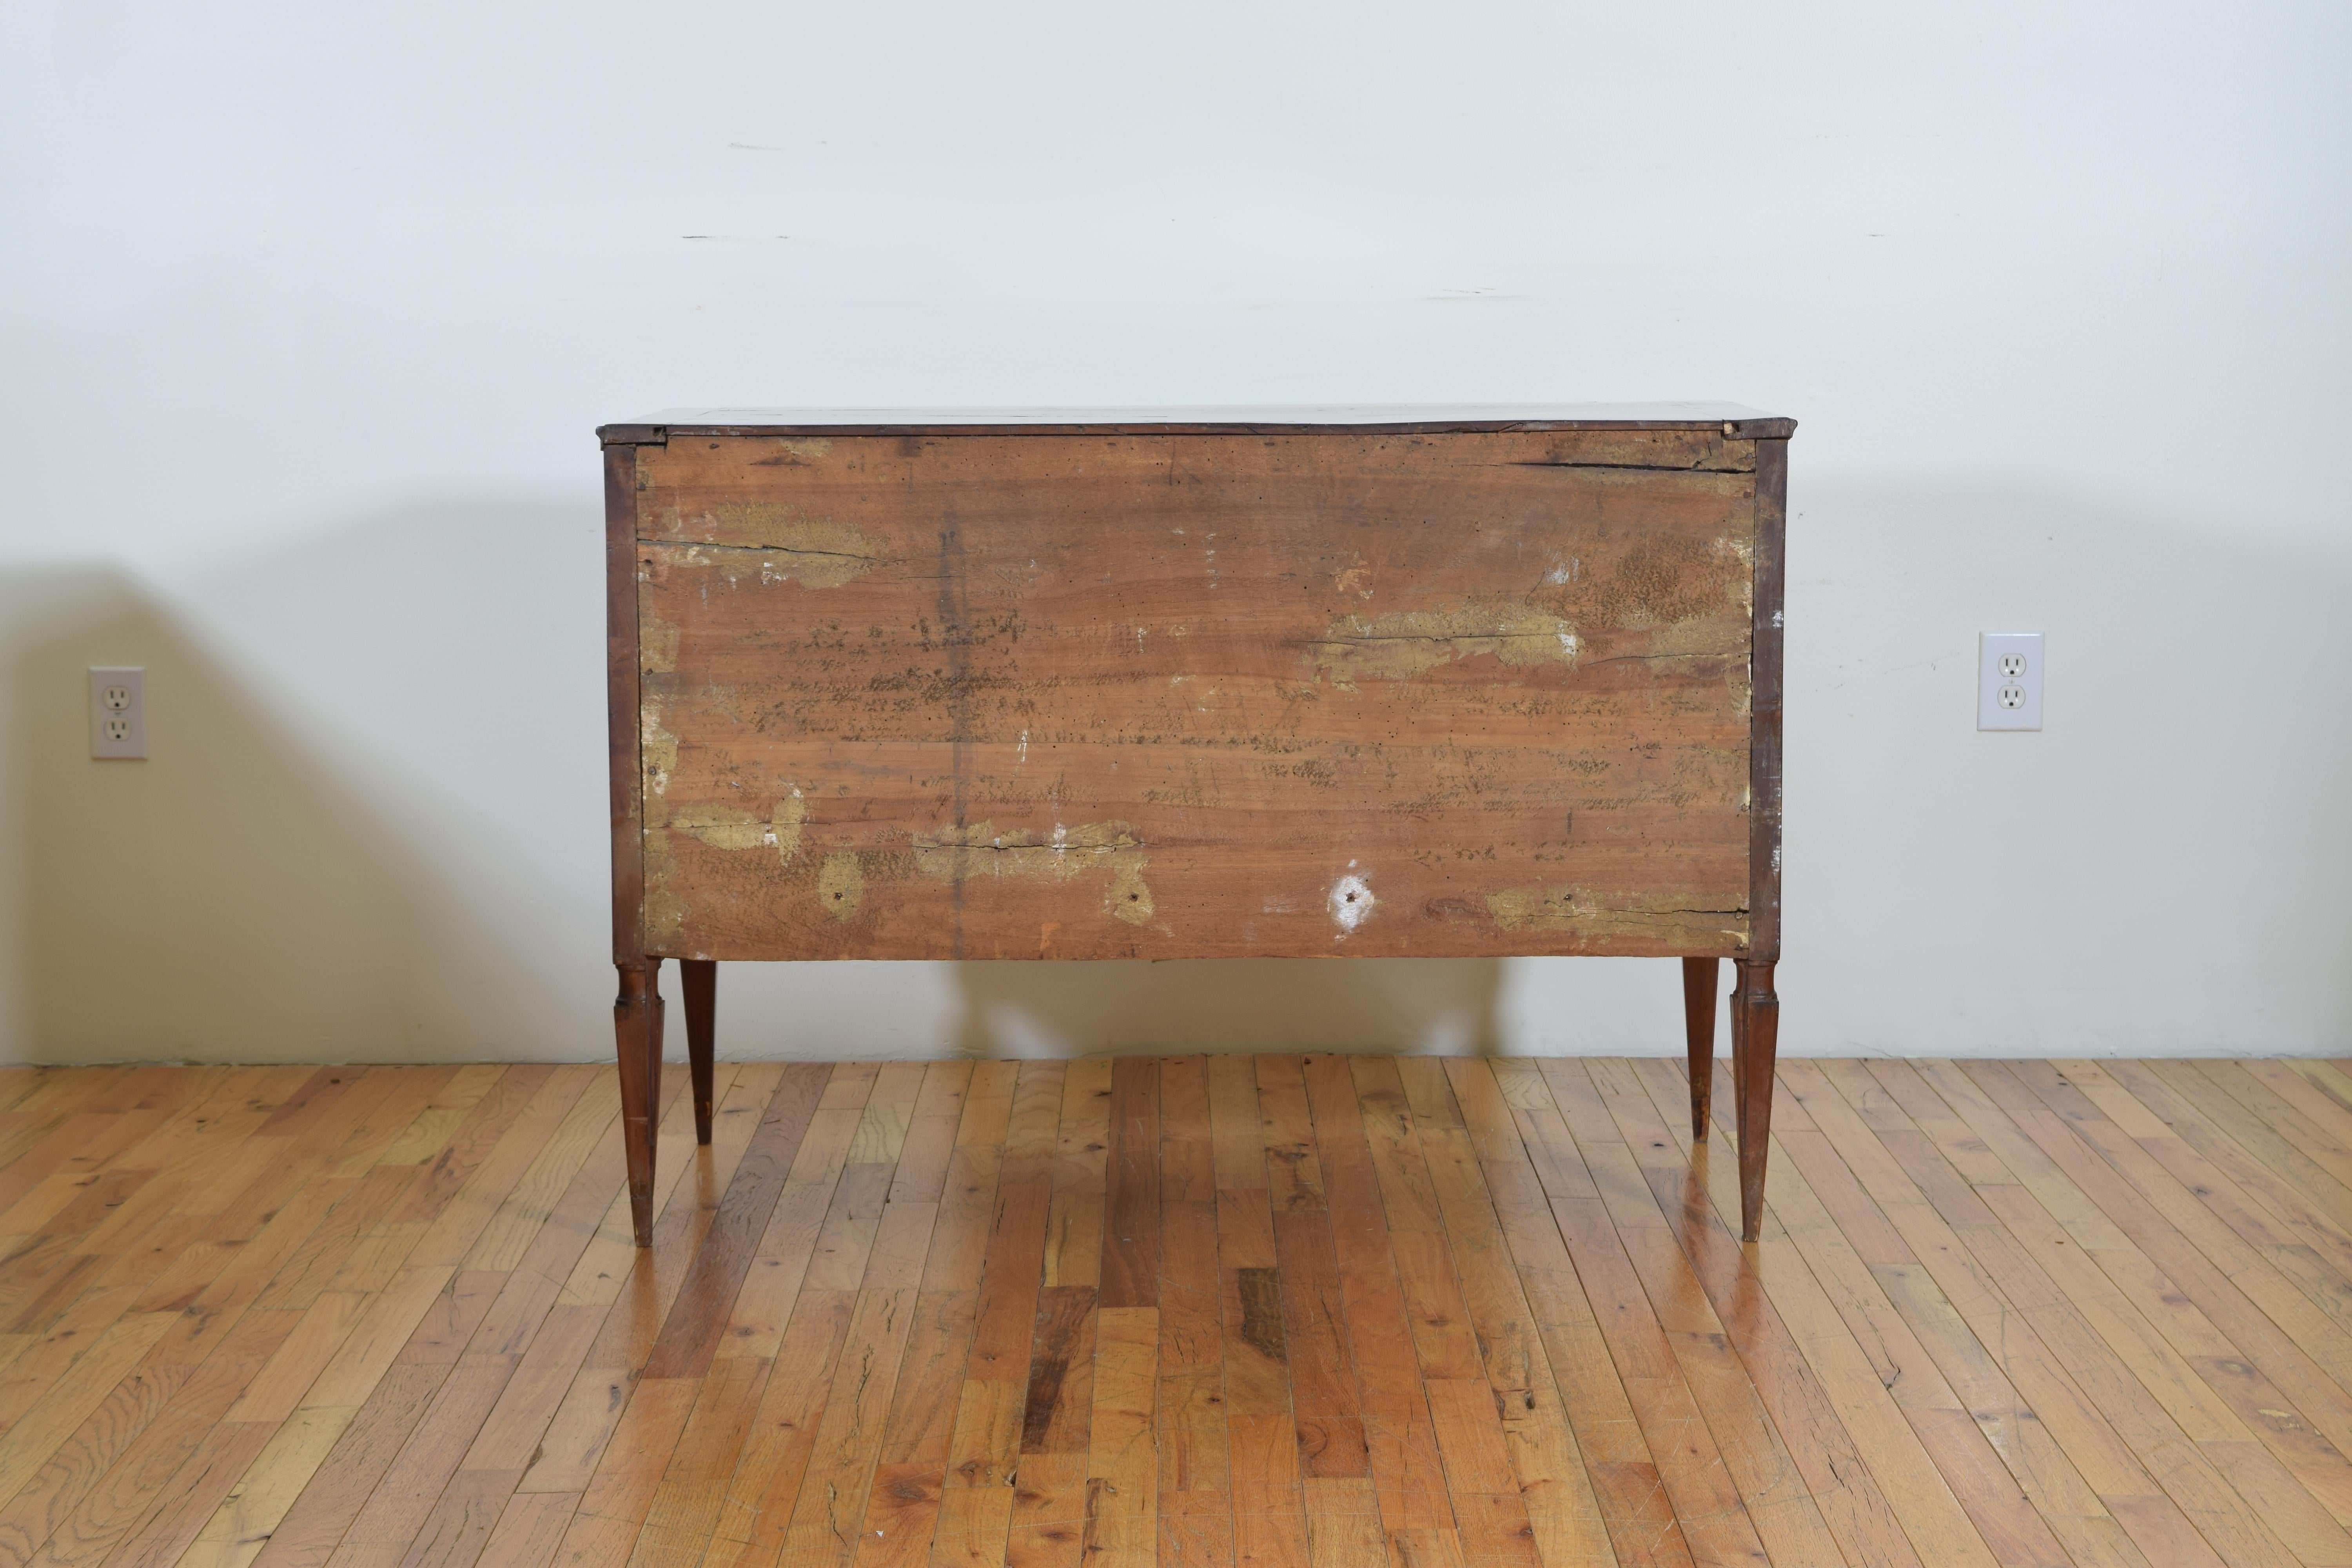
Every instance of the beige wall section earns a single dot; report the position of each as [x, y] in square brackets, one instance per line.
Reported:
[229, 899]
[305, 330]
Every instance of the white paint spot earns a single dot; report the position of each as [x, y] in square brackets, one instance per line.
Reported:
[1351, 901]
[1777, 617]
[1568, 643]
[1022, 755]
[1559, 572]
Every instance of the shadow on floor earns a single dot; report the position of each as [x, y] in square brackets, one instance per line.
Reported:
[1444, 1004]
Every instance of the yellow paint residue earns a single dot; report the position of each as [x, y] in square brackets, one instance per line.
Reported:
[1742, 585]
[719, 826]
[1717, 634]
[657, 749]
[723, 827]
[1534, 909]
[657, 646]
[1540, 909]
[1405, 643]
[1127, 897]
[784, 823]
[955, 854]
[840, 884]
[814, 552]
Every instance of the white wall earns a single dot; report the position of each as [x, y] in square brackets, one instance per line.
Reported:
[307, 314]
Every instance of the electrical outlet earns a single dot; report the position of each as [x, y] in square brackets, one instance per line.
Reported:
[118, 713]
[2008, 680]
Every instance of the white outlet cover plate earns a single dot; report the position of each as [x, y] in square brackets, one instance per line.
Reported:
[118, 696]
[2009, 697]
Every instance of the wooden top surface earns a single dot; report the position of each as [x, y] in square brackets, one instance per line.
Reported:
[1739, 420]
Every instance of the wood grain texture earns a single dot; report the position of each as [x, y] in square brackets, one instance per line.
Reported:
[621, 700]
[1221, 1312]
[1764, 760]
[1153, 695]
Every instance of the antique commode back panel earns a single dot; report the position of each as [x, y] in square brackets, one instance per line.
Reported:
[1203, 684]
[1147, 695]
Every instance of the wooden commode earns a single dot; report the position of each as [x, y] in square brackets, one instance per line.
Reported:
[1196, 683]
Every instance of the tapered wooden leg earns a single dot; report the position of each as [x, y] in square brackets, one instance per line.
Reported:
[1698, 1030]
[638, 1039]
[1739, 1053]
[1755, 1038]
[699, 978]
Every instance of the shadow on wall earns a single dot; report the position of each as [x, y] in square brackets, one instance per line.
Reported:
[234, 898]
[224, 899]
[427, 882]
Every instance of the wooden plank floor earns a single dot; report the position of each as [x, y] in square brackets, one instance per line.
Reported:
[1222, 1312]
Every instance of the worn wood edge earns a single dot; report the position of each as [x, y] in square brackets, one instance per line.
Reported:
[1735, 429]
[622, 702]
[722, 953]
[1764, 702]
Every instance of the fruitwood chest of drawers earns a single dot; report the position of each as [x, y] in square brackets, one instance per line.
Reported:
[1195, 683]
